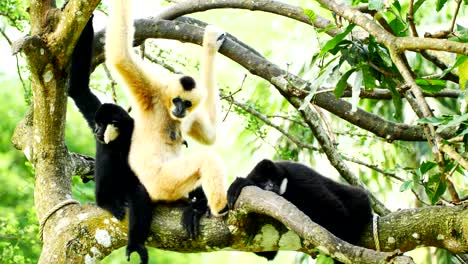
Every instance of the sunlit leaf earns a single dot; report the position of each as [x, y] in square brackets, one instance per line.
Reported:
[417, 5]
[334, 41]
[310, 14]
[324, 259]
[460, 60]
[440, 4]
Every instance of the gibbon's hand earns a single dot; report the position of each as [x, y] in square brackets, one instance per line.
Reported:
[214, 35]
[141, 250]
[235, 190]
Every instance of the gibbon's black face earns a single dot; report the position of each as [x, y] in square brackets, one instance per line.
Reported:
[180, 107]
[184, 96]
[110, 119]
[268, 176]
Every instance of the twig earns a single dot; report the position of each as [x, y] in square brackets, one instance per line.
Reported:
[455, 15]
[410, 18]
[113, 83]
[265, 120]
[230, 97]
[288, 119]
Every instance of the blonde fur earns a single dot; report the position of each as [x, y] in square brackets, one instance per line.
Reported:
[155, 153]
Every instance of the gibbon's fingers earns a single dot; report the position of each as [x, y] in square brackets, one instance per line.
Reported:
[179, 176]
[213, 38]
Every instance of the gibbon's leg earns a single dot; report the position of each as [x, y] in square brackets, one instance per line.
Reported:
[179, 176]
[139, 221]
[140, 81]
[203, 127]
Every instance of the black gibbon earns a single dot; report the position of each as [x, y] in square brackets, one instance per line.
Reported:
[192, 212]
[343, 210]
[116, 184]
[167, 107]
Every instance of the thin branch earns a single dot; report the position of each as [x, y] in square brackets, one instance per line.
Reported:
[113, 83]
[410, 18]
[454, 155]
[455, 16]
[264, 119]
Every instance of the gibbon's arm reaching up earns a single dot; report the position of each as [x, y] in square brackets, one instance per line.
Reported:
[119, 54]
[167, 107]
[205, 120]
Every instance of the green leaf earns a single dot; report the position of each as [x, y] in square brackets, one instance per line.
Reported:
[396, 98]
[342, 83]
[417, 5]
[398, 27]
[369, 79]
[429, 120]
[431, 85]
[324, 259]
[427, 166]
[383, 54]
[376, 5]
[435, 187]
[440, 4]
[461, 34]
[455, 121]
[397, 6]
[310, 14]
[406, 185]
[459, 61]
[334, 41]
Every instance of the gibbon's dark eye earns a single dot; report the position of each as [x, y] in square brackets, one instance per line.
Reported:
[188, 83]
[176, 100]
[188, 104]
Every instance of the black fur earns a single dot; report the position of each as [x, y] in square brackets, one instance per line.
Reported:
[192, 213]
[188, 83]
[342, 209]
[116, 184]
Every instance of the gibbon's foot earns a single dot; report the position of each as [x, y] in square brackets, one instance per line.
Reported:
[141, 250]
[224, 211]
[214, 35]
[118, 211]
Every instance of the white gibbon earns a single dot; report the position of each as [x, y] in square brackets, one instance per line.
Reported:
[165, 107]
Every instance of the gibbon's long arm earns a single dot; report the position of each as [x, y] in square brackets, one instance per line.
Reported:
[80, 71]
[121, 58]
[203, 127]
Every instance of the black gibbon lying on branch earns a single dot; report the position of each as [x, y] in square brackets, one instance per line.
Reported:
[116, 184]
[343, 210]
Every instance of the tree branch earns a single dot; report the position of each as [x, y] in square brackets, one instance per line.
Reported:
[258, 65]
[182, 8]
[87, 232]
